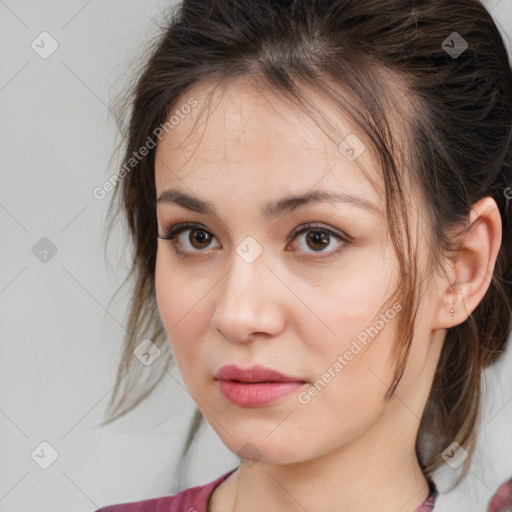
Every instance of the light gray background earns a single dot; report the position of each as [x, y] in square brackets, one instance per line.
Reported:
[60, 345]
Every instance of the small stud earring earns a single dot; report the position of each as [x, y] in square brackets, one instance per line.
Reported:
[454, 287]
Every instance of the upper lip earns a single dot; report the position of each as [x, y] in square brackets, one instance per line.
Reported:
[253, 374]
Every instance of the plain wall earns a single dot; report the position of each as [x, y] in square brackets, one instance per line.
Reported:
[60, 344]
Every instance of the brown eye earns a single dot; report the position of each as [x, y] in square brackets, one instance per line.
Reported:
[200, 237]
[317, 240]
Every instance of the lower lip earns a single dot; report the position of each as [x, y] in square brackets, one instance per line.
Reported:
[259, 394]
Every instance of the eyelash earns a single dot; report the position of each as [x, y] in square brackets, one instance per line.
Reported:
[176, 229]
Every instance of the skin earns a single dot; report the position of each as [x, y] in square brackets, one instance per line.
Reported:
[349, 448]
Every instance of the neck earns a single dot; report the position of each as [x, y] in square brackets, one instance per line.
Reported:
[369, 474]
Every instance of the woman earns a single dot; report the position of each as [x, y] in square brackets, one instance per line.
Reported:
[318, 195]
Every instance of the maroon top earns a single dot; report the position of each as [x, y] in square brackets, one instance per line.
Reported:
[195, 499]
[502, 500]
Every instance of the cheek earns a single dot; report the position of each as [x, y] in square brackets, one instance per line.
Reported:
[360, 354]
[181, 303]
[352, 362]
[354, 310]
[348, 392]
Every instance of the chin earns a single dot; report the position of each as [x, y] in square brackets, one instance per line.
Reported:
[256, 445]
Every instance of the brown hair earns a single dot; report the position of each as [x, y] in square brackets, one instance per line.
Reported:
[457, 114]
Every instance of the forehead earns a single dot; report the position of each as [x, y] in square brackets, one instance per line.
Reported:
[238, 135]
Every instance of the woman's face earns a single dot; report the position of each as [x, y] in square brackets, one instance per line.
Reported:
[249, 284]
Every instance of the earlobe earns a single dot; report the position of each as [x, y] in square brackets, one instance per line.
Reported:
[449, 311]
[454, 288]
[473, 266]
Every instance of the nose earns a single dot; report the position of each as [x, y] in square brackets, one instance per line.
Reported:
[250, 301]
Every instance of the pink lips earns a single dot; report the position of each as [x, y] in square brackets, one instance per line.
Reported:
[255, 386]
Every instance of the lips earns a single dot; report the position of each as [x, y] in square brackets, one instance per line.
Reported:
[253, 374]
[256, 386]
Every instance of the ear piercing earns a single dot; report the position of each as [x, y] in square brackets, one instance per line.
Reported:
[452, 309]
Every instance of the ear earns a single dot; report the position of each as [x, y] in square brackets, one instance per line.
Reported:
[471, 272]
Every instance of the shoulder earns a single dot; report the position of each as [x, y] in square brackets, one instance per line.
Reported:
[502, 500]
[193, 499]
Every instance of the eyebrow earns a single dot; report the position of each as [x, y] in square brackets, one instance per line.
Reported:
[270, 210]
